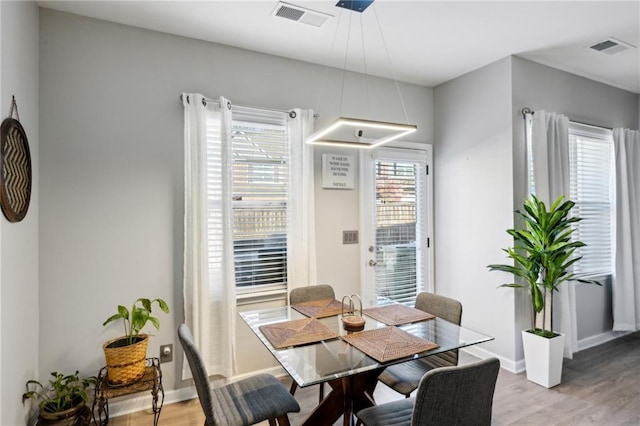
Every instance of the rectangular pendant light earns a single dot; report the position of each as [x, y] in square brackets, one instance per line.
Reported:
[359, 133]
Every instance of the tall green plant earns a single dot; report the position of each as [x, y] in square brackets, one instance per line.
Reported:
[543, 255]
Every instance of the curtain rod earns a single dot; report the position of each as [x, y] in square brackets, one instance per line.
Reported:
[591, 125]
[291, 113]
[527, 110]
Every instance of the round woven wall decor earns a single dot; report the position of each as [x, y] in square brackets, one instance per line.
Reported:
[15, 170]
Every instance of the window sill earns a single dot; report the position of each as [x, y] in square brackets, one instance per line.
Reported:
[261, 296]
[595, 277]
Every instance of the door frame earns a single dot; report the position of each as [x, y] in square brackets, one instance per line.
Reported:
[408, 150]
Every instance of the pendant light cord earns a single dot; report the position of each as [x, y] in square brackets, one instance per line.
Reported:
[344, 63]
[366, 74]
[326, 67]
[364, 58]
[393, 71]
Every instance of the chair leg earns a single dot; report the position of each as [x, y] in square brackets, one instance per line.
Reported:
[284, 420]
[272, 422]
[321, 392]
[294, 386]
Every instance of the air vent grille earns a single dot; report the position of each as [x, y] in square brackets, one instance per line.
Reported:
[300, 14]
[611, 46]
[289, 13]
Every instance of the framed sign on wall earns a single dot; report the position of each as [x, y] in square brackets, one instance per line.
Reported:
[338, 171]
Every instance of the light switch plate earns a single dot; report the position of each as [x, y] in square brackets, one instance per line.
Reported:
[349, 237]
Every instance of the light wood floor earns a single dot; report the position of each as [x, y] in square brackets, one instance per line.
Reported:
[600, 386]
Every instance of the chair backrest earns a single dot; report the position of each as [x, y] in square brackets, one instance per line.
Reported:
[310, 293]
[198, 371]
[445, 308]
[440, 306]
[460, 395]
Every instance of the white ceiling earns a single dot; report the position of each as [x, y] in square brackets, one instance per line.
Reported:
[428, 42]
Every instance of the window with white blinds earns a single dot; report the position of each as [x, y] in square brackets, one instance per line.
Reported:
[591, 188]
[260, 190]
[400, 229]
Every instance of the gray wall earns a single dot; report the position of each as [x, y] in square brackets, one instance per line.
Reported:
[112, 173]
[474, 198]
[540, 87]
[19, 309]
[111, 186]
[480, 179]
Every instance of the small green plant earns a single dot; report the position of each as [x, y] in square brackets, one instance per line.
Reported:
[62, 393]
[543, 255]
[135, 319]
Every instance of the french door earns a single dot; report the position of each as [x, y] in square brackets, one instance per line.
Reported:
[396, 224]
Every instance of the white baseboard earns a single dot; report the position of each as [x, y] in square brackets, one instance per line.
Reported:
[143, 401]
[599, 339]
[519, 366]
[507, 364]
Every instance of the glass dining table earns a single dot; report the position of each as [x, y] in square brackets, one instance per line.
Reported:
[351, 373]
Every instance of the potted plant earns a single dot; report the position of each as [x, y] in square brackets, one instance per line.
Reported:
[62, 402]
[126, 354]
[543, 258]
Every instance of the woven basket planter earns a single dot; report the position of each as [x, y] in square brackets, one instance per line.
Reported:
[126, 363]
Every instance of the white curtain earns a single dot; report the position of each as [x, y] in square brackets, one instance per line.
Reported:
[550, 146]
[209, 283]
[626, 276]
[301, 238]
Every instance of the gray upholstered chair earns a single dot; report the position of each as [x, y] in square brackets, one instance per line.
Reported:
[460, 395]
[245, 402]
[404, 378]
[309, 294]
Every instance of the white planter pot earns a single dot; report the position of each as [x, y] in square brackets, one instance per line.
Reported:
[543, 358]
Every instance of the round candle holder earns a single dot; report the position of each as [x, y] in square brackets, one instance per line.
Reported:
[351, 321]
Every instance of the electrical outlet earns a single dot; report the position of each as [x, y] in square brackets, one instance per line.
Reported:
[166, 353]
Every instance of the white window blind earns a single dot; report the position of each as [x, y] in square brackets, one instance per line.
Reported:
[400, 231]
[591, 188]
[260, 188]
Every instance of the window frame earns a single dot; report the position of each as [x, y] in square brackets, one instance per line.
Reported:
[584, 133]
[260, 120]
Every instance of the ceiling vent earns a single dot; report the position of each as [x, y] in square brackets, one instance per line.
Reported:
[611, 46]
[300, 14]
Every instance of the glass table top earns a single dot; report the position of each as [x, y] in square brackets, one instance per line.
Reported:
[332, 359]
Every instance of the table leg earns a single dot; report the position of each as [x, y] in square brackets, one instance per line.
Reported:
[348, 396]
[348, 402]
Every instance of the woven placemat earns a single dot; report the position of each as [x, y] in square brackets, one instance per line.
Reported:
[397, 314]
[388, 343]
[296, 332]
[319, 308]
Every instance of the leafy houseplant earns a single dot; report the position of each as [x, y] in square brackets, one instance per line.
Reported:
[137, 318]
[543, 256]
[63, 398]
[126, 355]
